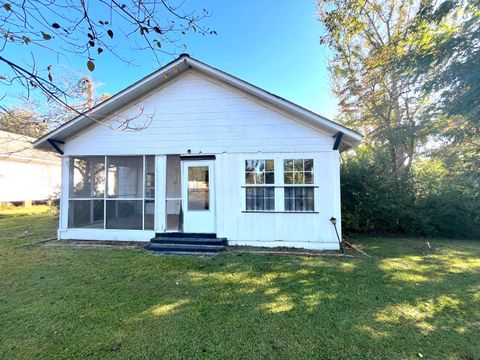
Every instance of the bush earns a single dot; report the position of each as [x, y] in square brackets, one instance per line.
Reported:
[54, 204]
[428, 201]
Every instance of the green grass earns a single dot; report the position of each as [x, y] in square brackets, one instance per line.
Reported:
[70, 303]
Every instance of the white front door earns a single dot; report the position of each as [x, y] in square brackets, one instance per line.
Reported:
[198, 196]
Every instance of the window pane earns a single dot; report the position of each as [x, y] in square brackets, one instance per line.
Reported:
[259, 166]
[270, 198]
[260, 178]
[125, 175]
[250, 203]
[308, 177]
[299, 199]
[198, 188]
[249, 165]
[310, 199]
[249, 178]
[298, 165]
[269, 165]
[150, 177]
[149, 214]
[259, 172]
[87, 177]
[260, 198]
[124, 214]
[250, 200]
[298, 178]
[288, 165]
[85, 214]
[269, 178]
[259, 203]
[308, 164]
[289, 199]
[288, 179]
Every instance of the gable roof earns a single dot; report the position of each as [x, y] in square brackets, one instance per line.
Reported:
[17, 147]
[168, 72]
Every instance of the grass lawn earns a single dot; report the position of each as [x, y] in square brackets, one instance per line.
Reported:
[69, 303]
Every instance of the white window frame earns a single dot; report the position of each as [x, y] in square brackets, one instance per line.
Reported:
[262, 185]
[279, 183]
[298, 185]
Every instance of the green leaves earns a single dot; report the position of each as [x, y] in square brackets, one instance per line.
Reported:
[110, 33]
[50, 77]
[90, 65]
[46, 36]
[7, 7]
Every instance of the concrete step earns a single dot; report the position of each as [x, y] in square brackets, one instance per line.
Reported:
[184, 253]
[173, 247]
[189, 241]
[186, 235]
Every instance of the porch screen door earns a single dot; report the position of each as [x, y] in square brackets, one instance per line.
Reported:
[198, 196]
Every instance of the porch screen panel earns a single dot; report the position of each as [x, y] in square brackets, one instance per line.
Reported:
[87, 189]
[124, 207]
[149, 206]
[124, 214]
[124, 177]
[87, 177]
[85, 214]
[112, 192]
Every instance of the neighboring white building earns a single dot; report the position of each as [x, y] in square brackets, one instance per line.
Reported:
[218, 155]
[27, 174]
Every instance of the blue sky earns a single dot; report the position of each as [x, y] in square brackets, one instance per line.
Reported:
[272, 44]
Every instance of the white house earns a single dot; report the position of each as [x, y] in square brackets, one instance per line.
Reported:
[211, 154]
[27, 174]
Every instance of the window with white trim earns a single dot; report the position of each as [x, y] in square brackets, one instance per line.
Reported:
[112, 192]
[298, 180]
[259, 185]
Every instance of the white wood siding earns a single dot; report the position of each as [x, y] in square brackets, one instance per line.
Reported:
[200, 115]
[309, 230]
[21, 181]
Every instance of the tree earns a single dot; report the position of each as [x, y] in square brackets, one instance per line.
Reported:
[447, 54]
[407, 74]
[88, 30]
[23, 122]
[368, 39]
[36, 117]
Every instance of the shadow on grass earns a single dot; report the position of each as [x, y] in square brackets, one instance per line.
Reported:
[125, 303]
[262, 306]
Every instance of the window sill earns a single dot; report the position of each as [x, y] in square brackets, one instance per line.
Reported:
[278, 212]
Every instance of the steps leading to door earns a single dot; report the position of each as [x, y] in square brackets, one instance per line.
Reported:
[186, 244]
[183, 235]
